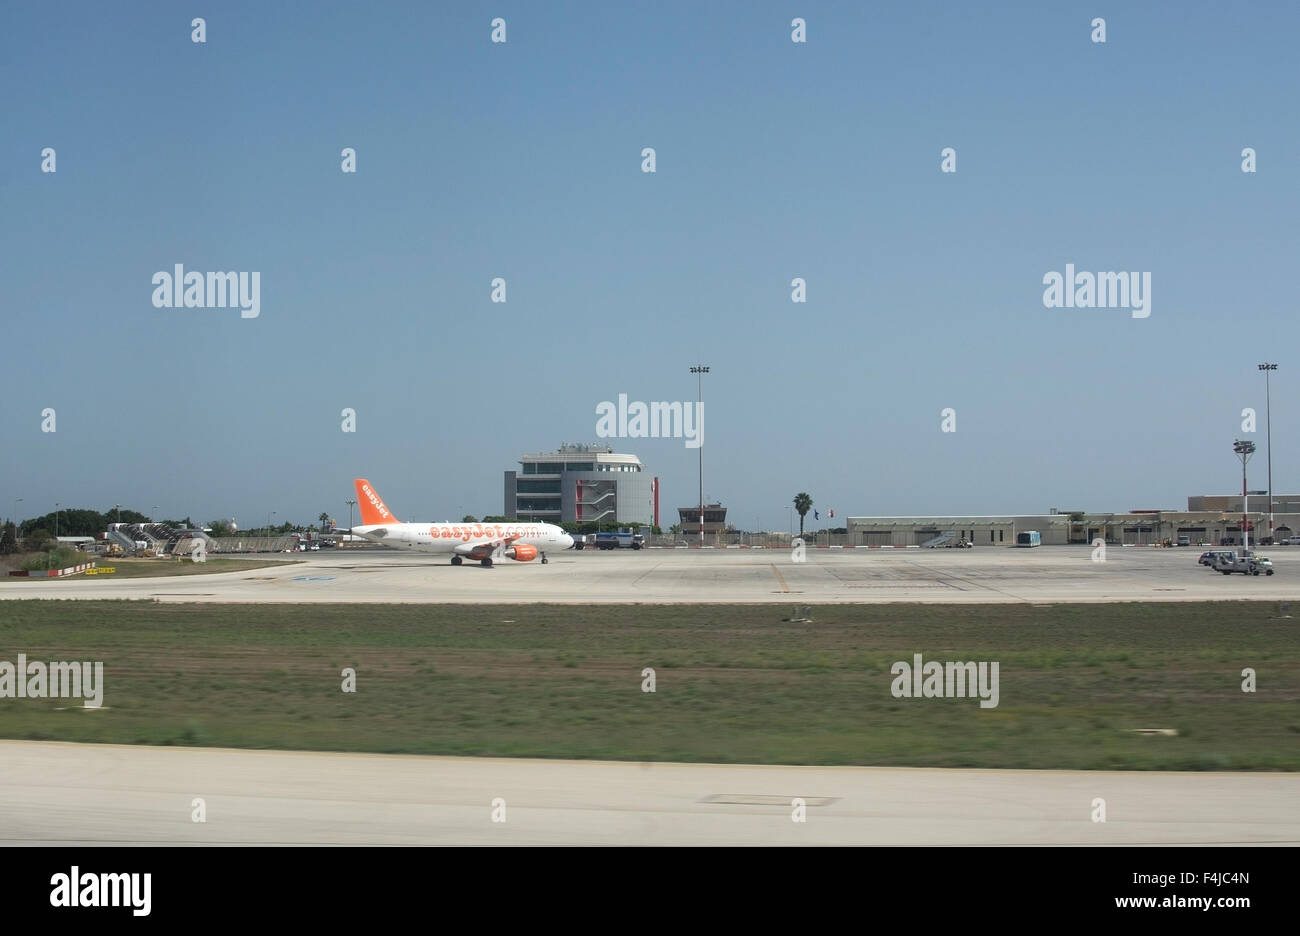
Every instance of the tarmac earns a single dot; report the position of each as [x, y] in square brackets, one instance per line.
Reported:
[93, 794]
[1047, 574]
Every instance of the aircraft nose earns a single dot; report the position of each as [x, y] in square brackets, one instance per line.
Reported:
[569, 544]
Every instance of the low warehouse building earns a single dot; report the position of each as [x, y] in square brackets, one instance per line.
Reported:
[1134, 528]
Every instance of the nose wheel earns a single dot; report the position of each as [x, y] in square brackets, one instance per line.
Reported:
[543, 558]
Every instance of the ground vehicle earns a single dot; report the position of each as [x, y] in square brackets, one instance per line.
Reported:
[947, 540]
[1246, 564]
[1029, 538]
[619, 540]
[582, 540]
[1211, 558]
[1184, 541]
[1291, 541]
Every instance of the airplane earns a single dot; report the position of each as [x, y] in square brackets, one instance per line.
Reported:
[481, 542]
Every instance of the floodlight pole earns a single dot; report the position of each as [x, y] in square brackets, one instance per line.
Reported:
[1244, 450]
[1268, 416]
[699, 370]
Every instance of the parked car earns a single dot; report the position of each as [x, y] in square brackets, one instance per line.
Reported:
[1211, 558]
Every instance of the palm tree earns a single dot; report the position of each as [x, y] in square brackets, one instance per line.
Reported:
[324, 519]
[802, 503]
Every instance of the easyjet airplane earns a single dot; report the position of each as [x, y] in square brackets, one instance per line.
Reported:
[481, 542]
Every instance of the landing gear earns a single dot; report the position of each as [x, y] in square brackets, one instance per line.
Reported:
[456, 560]
[543, 558]
[486, 563]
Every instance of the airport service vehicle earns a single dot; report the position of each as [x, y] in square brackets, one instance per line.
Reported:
[583, 540]
[947, 540]
[1245, 564]
[619, 540]
[1184, 541]
[1211, 558]
[1029, 538]
[480, 542]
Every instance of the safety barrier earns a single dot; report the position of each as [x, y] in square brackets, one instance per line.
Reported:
[51, 573]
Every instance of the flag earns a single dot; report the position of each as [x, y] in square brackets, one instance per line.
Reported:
[832, 511]
[815, 516]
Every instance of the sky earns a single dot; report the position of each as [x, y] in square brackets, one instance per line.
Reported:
[523, 160]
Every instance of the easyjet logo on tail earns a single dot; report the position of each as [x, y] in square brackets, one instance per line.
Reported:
[373, 509]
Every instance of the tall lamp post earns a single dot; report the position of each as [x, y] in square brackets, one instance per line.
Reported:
[56, 523]
[699, 370]
[1244, 450]
[351, 504]
[269, 515]
[1268, 416]
[17, 501]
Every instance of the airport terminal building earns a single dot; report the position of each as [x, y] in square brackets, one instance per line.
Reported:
[583, 483]
[1210, 520]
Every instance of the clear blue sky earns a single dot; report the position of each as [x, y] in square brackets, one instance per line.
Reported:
[522, 160]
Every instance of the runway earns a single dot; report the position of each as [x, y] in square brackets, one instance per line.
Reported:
[109, 794]
[691, 576]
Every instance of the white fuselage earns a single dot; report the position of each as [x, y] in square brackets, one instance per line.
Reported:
[465, 539]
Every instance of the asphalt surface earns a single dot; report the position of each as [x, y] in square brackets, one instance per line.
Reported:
[689, 576]
[54, 793]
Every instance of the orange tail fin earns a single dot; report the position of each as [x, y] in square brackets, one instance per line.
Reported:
[374, 511]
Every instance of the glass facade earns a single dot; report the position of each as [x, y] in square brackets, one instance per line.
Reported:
[539, 487]
[538, 503]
